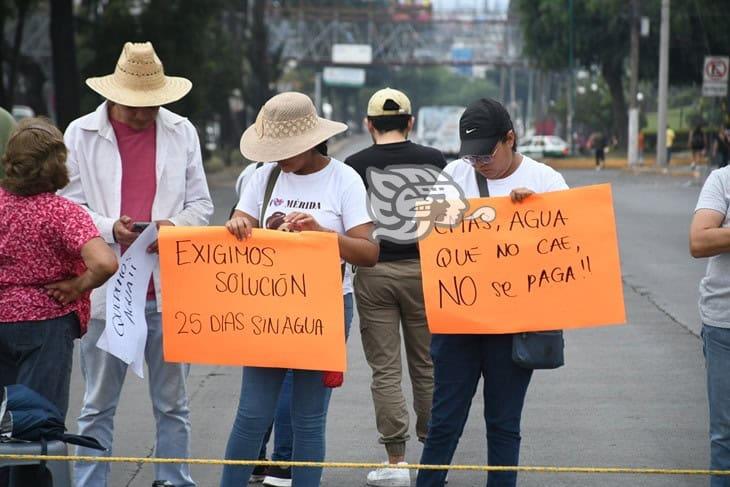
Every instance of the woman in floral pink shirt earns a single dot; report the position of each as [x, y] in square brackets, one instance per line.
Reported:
[51, 256]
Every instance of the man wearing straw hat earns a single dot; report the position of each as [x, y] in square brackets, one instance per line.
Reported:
[132, 162]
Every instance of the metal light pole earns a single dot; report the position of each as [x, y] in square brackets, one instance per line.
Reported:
[571, 82]
[661, 126]
[318, 92]
[633, 138]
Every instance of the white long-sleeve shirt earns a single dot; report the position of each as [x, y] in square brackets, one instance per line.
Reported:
[95, 174]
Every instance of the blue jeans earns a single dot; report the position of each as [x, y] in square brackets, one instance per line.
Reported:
[39, 354]
[300, 401]
[260, 387]
[459, 361]
[104, 376]
[283, 430]
[716, 347]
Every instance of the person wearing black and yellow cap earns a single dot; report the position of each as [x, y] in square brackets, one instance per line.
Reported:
[390, 295]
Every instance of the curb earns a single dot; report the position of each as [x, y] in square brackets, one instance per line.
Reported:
[677, 171]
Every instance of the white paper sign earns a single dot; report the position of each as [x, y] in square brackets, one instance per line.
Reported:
[125, 333]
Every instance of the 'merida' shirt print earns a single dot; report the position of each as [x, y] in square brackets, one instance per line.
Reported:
[335, 196]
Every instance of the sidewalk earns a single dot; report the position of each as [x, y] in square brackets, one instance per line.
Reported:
[680, 165]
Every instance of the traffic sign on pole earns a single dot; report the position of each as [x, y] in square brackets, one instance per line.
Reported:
[715, 75]
[349, 77]
[352, 54]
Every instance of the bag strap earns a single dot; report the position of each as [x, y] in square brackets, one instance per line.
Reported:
[270, 183]
[44, 451]
[482, 184]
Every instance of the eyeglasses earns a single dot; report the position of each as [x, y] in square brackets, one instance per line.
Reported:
[481, 159]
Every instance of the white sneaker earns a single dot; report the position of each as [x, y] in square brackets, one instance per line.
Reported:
[390, 477]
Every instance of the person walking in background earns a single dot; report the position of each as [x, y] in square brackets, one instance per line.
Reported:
[710, 237]
[390, 296]
[597, 142]
[698, 144]
[488, 151]
[671, 135]
[288, 131]
[722, 146]
[133, 161]
[51, 257]
[642, 146]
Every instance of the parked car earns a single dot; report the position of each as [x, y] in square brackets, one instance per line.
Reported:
[543, 146]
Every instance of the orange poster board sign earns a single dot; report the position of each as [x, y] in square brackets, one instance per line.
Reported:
[548, 263]
[273, 300]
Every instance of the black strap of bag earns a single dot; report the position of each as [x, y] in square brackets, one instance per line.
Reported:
[533, 350]
[270, 183]
[482, 185]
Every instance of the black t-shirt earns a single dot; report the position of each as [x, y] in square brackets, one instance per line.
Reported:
[382, 155]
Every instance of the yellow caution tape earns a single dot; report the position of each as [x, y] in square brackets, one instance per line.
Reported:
[471, 468]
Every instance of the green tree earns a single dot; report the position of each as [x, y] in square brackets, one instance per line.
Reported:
[601, 38]
[262, 67]
[697, 28]
[65, 69]
[188, 36]
[17, 10]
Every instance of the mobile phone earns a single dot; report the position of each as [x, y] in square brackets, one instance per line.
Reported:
[139, 227]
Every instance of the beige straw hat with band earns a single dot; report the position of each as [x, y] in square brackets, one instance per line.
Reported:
[139, 79]
[286, 126]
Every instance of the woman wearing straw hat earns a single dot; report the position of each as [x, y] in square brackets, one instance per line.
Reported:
[288, 131]
[132, 161]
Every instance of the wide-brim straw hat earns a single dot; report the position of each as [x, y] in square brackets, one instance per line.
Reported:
[139, 79]
[287, 125]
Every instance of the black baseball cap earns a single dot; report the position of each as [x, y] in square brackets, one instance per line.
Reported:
[484, 123]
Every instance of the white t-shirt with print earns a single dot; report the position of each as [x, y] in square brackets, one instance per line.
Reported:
[530, 174]
[335, 196]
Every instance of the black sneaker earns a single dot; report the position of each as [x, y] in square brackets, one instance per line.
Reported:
[162, 483]
[258, 474]
[278, 477]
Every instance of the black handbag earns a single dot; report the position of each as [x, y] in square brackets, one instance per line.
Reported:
[532, 350]
[538, 350]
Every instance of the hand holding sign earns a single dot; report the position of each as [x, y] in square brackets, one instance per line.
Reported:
[271, 300]
[548, 263]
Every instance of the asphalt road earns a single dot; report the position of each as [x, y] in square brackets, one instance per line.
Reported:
[632, 395]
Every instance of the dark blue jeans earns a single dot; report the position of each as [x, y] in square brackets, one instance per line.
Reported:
[283, 435]
[459, 361]
[716, 347]
[301, 400]
[39, 355]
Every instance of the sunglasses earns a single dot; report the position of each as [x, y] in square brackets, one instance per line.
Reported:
[481, 159]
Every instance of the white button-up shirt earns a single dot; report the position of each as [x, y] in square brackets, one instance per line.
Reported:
[95, 173]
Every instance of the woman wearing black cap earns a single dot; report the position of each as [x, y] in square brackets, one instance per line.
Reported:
[488, 152]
